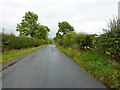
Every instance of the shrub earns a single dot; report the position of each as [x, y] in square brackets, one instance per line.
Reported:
[109, 42]
[79, 41]
[10, 41]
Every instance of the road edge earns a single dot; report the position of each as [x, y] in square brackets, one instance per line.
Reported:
[12, 62]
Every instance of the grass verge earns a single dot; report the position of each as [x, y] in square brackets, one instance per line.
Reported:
[14, 54]
[97, 64]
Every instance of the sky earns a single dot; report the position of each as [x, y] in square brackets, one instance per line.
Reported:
[89, 16]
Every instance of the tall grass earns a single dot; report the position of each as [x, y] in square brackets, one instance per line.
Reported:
[97, 64]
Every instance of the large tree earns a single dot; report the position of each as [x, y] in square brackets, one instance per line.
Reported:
[30, 27]
[28, 24]
[41, 32]
[64, 28]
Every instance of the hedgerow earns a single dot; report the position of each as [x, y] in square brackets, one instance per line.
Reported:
[10, 41]
[109, 42]
[85, 49]
[81, 41]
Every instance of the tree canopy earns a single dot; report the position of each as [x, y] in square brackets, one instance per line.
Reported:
[64, 28]
[30, 27]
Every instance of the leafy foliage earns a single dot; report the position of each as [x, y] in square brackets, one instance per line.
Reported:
[64, 28]
[30, 27]
[18, 42]
[41, 32]
[109, 42]
[91, 51]
[28, 24]
[79, 41]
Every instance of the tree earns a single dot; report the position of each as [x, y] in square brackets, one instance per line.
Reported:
[64, 28]
[30, 27]
[41, 32]
[28, 24]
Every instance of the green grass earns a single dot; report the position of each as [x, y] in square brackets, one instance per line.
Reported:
[14, 54]
[97, 64]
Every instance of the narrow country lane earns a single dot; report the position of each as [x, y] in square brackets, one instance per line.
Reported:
[48, 68]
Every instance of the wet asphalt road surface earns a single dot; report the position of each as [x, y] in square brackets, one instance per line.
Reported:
[48, 68]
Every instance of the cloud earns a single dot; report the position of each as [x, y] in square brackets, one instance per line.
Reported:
[84, 15]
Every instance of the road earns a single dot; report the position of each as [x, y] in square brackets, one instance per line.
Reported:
[48, 68]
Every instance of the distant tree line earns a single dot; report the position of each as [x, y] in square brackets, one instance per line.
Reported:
[108, 42]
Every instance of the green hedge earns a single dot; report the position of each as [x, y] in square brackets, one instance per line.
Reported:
[81, 41]
[10, 41]
[109, 42]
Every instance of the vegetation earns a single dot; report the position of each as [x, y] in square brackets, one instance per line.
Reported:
[64, 28]
[30, 27]
[98, 54]
[79, 41]
[109, 42]
[86, 48]
[32, 36]
[14, 54]
[102, 68]
[17, 42]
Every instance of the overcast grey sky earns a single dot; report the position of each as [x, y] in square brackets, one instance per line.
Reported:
[89, 16]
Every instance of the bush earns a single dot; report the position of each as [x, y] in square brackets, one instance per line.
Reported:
[109, 42]
[17, 42]
[79, 41]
